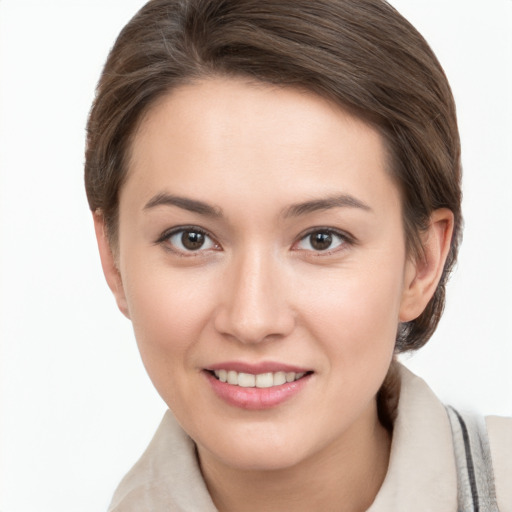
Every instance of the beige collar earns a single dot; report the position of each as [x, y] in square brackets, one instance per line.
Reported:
[421, 474]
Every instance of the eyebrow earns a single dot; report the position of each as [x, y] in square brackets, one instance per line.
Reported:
[295, 210]
[192, 205]
[338, 201]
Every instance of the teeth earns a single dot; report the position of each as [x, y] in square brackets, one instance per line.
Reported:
[262, 380]
[279, 378]
[246, 380]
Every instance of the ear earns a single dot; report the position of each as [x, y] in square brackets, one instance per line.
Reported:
[109, 265]
[422, 274]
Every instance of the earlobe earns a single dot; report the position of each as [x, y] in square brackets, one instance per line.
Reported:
[422, 274]
[109, 265]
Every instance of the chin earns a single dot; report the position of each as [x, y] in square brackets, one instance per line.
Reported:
[257, 447]
[260, 458]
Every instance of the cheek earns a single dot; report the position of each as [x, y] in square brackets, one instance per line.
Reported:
[168, 310]
[354, 320]
[356, 311]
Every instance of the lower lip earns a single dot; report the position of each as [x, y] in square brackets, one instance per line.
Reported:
[256, 399]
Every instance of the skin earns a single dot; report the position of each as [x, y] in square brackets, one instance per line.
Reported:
[258, 290]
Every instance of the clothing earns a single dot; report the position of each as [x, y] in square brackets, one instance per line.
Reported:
[421, 475]
[475, 474]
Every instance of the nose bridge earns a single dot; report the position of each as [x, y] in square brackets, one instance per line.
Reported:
[255, 306]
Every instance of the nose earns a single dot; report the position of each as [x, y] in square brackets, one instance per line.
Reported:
[254, 306]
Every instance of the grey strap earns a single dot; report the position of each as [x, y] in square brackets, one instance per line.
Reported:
[476, 491]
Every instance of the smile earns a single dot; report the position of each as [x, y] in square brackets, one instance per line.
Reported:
[261, 380]
[257, 387]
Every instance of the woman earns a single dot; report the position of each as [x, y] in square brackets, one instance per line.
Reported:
[276, 195]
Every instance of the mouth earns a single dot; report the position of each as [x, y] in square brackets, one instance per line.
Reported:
[257, 387]
[260, 380]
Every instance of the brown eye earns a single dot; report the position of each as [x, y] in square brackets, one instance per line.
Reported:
[321, 240]
[190, 240]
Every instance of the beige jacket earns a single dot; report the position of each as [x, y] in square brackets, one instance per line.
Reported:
[421, 476]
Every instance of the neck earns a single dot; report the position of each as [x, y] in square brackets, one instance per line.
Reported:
[345, 476]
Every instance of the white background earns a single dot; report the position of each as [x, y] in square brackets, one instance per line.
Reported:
[76, 406]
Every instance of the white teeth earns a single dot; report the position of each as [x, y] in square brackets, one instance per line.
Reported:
[262, 380]
[246, 380]
[279, 378]
[222, 375]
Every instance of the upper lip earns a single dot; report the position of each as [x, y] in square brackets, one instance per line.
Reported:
[257, 368]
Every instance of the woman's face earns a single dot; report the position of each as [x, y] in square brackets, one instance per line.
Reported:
[261, 238]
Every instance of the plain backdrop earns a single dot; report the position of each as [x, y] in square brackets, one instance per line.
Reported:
[77, 408]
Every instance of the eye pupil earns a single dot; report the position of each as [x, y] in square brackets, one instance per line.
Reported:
[321, 241]
[192, 240]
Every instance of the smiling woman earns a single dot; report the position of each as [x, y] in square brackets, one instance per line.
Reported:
[260, 289]
[276, 196]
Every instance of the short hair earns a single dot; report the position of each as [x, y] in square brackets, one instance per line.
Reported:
[361, 54]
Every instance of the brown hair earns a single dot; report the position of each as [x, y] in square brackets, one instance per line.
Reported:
[361, 54]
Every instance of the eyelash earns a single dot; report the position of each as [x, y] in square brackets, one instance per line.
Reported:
[166, 237]
[344, 240]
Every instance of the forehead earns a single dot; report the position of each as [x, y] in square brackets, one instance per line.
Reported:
[237, 138]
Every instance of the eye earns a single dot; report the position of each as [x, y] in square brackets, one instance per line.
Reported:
[321, 240]
[187, 240]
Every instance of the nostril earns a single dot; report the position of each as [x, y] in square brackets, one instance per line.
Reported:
[255, 326]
